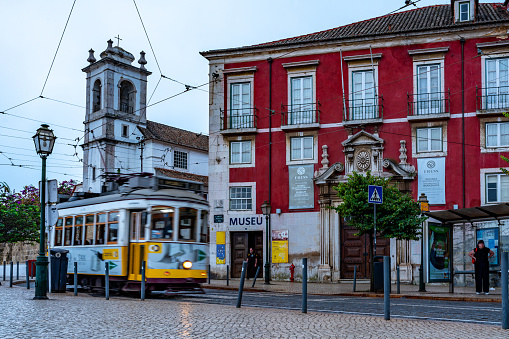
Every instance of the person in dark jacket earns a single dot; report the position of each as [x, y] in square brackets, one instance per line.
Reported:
[480, 256]
[252, 263]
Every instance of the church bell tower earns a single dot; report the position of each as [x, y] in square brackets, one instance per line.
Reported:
[116, 97]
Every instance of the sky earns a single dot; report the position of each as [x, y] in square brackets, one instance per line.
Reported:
[30, 32]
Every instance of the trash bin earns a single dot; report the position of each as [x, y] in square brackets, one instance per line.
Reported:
[378, 274]
[31, 268]
[59, 263]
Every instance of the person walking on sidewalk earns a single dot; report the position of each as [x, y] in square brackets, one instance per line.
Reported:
[252, 263]
[480, 257]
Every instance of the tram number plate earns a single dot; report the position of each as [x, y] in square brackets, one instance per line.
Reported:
[218, 218]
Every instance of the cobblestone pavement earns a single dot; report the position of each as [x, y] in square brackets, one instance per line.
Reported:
[84, 316]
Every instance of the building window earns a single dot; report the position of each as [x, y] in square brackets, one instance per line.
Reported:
[497, 134]
[100, 229]
[187, 224]
[241, 114]
[301, 111]
[240, 198]
[112, 231]
[78, 230]
[180, 159]
[240, 152]
[127, 94]
[58, 232]
[428, 90]
[96, 96]
[497, 84]
[497, 188]
[125, 131]
[68, 231]
[363, 103]
[464, 11]
[429, 139]
[301, 148]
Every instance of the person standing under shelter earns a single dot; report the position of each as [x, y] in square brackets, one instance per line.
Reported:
[480, 256]
[252, 263]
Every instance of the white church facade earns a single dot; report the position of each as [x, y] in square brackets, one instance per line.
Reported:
[118, 137]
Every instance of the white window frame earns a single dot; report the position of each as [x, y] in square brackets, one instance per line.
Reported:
[429, 124]
[290, 136]
[486, 92]
[498, 135]
[177, 154]
[304, 108]
[460, 5]
[240, 186]
[240, 106]
[126, 127]
[301, 70]
[498, 188]
[301, 139]
[426, 60]
[429, 149]
[363, 98]
[243, 145]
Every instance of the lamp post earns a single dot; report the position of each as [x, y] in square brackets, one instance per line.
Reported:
[266, 212]
[424, 203]
[44, 141]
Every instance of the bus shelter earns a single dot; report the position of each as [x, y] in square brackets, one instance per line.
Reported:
[489, 223]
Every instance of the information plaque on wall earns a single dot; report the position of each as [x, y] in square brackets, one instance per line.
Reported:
[431, 179]
[301, 186]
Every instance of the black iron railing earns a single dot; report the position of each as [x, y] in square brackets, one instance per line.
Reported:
[239, 118]
[364, 109]
[428, 103]
[492, 97]
[126, 108]
[300, 114]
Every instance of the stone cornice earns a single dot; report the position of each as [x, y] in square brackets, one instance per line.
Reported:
[362, 57]
[240, 70]
[301, 63]
[429, 50]
[504, 43]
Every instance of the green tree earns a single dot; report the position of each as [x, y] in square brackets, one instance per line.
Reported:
[398, 217]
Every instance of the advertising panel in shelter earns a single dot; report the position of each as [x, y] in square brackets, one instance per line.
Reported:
[439, 237]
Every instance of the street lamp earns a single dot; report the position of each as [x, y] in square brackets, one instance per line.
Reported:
[44, 141]
[266, 212]
[424, 204]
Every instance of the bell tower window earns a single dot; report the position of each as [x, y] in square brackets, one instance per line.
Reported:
[96, 96]
[127, 94]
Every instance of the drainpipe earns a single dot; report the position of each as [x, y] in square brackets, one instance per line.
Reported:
[270, 60]
[462, 41]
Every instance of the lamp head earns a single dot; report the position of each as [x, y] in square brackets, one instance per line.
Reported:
[44, 140]
[265, 208]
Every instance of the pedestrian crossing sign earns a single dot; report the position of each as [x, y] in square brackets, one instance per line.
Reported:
[375, 194]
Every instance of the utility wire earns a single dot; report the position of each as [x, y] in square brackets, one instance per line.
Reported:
[152, 48]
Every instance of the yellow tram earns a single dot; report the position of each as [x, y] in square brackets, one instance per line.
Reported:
[161, 221]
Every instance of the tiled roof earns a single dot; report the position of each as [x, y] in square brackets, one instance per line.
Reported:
[425, 18]
[175, 135]
[183, 175]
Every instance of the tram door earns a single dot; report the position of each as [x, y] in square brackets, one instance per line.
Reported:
[136, 244]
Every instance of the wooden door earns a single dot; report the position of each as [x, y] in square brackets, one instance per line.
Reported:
[239, 243]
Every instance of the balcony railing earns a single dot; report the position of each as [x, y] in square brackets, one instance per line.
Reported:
[358, 110]
[493, 98]
[126, 108]
[244, 118]
[428, 103]
[302, 114]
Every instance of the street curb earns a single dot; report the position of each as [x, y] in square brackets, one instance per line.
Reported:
[363, 294]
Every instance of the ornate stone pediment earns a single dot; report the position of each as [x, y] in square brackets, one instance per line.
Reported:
[330, 174]
[363, 152]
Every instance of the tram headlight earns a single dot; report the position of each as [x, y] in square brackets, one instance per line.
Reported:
[187, 264]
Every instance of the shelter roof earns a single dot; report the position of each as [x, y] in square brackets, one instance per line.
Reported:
[472, 214]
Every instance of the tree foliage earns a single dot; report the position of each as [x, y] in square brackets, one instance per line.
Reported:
[398, 217]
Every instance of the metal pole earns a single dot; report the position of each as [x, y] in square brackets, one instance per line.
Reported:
[17, 270]
[27, 268]
[505, 296]
[41, 273]
[422, 286]
[227, 275]
[374, 234]
[267, 265]
[304, 285]
[241, 286]
[354, 277]
[143, 266]
[387, 287]
[12, 274]
[397, 280]
[107, 279]
[75, 278]
[4, 269]
[256, 275]
[209, 274]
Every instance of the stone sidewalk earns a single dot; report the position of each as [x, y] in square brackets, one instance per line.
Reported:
[433, 291]
[84, 316]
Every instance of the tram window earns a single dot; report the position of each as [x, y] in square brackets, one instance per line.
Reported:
[187, 224]
[58, 232]
[162, 223]
[112, 227]
[204, 227]
[78, 230]
[100, 229]
[89, 229]
[68, 231]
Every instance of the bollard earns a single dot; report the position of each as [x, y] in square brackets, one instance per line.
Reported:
[505, 295]
[75, 278]
[28, 276]
[227, 275]
[4, 270]
[387, 287]
[143, 266]
[354, 277]
[209, 274]
[11, 275]
[107, 279]
[256, 275]
[241, 286]
[397, 280]
[17, 270]
[304, 285]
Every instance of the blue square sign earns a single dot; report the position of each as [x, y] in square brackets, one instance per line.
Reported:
[375, 194]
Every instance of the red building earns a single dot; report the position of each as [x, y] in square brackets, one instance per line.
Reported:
[415, 96]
